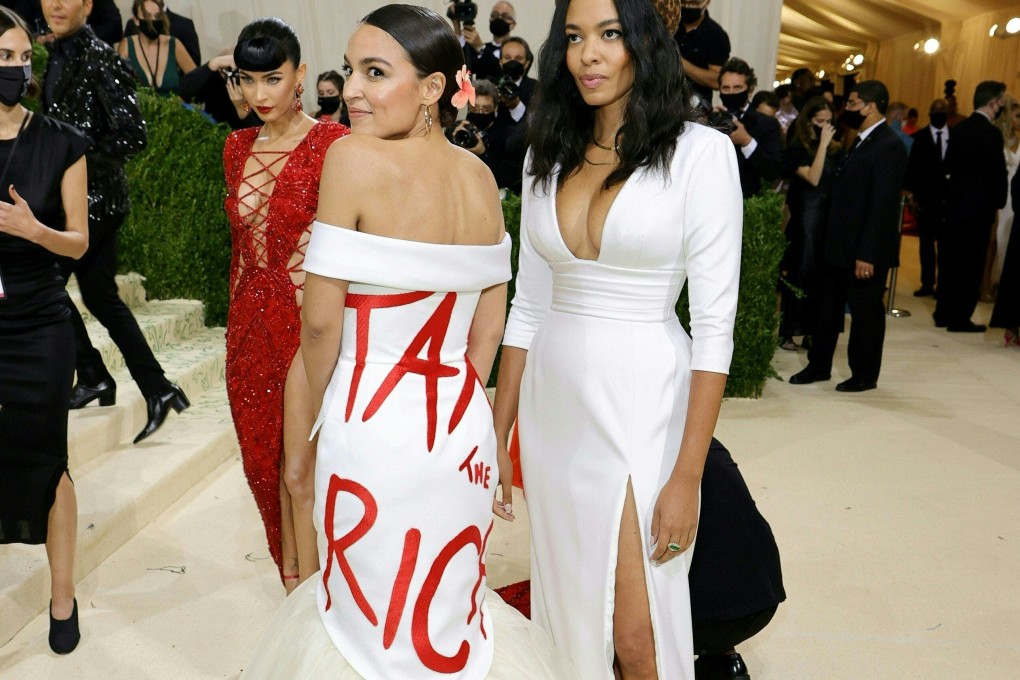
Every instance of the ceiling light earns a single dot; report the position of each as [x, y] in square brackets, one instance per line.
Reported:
[849, 67]
[858, 59]
[1013, 25]
[992, 30]
[931, 45]
[775, 84]
[917, 46]
[821, 73]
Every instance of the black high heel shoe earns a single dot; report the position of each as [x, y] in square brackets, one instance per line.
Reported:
[158, 408]
[64, 635]
[105, 391]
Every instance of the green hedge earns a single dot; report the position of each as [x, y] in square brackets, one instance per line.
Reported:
[177, 234]
[757, 323]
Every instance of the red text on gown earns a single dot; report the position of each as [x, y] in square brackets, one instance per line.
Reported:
[336, 546]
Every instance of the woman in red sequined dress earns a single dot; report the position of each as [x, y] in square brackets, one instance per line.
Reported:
[272, 177]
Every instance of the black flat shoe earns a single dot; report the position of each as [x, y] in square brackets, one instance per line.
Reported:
[966, 328]
[856, 385]
[808, 376]
[159, 406]
[105, 391]
[64, 635]
[720, 667]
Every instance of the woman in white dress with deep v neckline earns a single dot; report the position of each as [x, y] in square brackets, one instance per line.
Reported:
[623, 202]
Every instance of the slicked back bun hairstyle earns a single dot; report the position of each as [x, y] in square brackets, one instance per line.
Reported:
[430, 44]
[265, 44]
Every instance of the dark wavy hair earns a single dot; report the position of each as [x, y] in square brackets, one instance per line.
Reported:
[9, 19]
[658, 107]
[802, 126]
[430, 44]
[265, 44]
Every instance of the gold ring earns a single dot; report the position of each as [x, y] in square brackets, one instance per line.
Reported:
[673, 547]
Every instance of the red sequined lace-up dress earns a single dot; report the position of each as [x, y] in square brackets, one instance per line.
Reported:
[272, 197]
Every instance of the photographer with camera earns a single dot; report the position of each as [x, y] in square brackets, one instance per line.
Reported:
[755, 136]
[515, 88]
[483, 60]
[500, 144]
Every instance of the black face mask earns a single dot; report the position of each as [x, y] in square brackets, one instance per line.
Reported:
[690, 15]
[14, 81]
[329, 105]
[938, 119]
[499, 27]
[513, 70]
[482, 121]
[853, 119]
[736, 101]
[152, 31]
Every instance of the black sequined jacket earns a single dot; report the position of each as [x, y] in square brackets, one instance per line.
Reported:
[95, 92]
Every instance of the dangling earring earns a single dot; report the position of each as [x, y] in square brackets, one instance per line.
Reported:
[298, 91]
[428, 120]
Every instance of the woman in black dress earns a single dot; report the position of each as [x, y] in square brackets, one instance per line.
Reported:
[43, 216]
[810, 161]
[1006, 313]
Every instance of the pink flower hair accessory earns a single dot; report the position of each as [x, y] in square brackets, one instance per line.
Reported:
[466, 94]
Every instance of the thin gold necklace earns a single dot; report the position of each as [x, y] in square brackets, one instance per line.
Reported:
[614, 147]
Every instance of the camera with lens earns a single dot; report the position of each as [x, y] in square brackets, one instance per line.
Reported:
[463, 11]
[721, 121]
[465, 136]
[508, 89]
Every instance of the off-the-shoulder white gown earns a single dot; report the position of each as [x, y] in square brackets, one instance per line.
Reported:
[605, 389]
[404, 481]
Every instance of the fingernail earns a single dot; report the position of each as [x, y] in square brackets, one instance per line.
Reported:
[509, 508]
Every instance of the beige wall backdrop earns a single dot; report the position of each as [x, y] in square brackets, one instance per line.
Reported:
[325, 25]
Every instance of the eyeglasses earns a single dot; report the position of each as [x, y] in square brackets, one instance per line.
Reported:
[491, 108]
[505, 16]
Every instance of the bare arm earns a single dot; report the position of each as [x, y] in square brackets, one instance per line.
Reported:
[122, 47]
[813, 174]
[18, 219]
[184, 61]
[487, 330]
[321, 328]
[706, 77]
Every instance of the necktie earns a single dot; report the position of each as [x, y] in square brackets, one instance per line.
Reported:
[938, 141]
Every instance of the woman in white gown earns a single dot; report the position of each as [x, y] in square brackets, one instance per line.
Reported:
[403, 312]
[623, 202]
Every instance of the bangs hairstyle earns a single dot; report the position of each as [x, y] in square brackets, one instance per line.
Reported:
[430, 45]
[9, 19]
[658, 107]
[265, 44]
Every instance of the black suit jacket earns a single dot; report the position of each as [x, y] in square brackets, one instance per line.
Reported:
[926, 172]
[864, 204]
[182, 28]
[766, 163]
[528, 86]
[485, 62]
[977, 171]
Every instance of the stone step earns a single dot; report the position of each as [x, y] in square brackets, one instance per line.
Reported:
[195, 364]
[118, 495]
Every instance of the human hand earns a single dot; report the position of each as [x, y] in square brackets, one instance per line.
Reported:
[224, 61]
[18, 219]
[864, 270]
[674, 519]
[828, 134]
[502, 503]
[472, 38]
[234, 90]
[740, 136]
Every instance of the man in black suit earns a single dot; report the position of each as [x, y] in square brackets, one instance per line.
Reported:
[977, 189]
[928, 184]
[861, 243]
[181, 27]
[483, 59]
[756, 136]
[104, 19]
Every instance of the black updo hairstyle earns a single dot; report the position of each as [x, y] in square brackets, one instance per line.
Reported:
[265, 44]
[430, 45]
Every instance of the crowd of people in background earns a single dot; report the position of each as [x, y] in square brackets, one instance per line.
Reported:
[849, 165]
